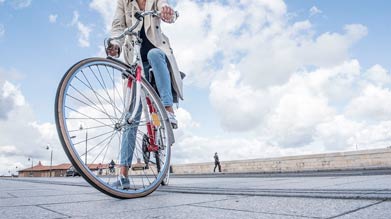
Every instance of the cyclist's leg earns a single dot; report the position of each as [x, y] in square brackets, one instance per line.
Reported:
[128, 143]
[158, 62]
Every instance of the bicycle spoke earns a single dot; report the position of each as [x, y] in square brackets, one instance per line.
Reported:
[115, 86]
[102, 111]
[90, 128]
[93, 90]
[105, 147]
[90, 106]
[95, 119]
[95, 137]
[103, 86]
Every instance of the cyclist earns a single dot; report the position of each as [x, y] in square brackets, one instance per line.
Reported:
[156, 53]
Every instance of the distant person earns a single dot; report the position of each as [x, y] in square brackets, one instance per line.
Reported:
[217, 163]
[111, 166]
[100, 169]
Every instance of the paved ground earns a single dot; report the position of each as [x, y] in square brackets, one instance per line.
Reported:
[331, 196]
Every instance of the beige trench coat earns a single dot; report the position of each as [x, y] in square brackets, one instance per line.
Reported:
[124, 17]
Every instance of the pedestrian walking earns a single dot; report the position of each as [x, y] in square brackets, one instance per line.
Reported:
[217, 163]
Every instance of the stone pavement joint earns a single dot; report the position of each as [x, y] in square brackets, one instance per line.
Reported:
[303, 193]
[355, 210]
[12, 195]
[263, 212]
[48, 209]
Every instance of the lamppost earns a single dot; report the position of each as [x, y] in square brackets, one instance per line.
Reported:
[51, 159]
[32, 167]
[81, 128]
[16, 170]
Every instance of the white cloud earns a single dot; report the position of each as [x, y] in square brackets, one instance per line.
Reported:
[373, 136]
[240, 106]
[378, 75]
[185, 119]
[106, 8]
[10, 97]
[19, 4]
[237, 105]
[372, 104]
[337, 133]
[224, 34]
[272, 61]
[314, 11]
[84, 30]
[21, 136]
[292, 123]
[53, 18]
[303, 116]
[8, 150]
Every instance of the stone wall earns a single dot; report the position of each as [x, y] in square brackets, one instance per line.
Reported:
[364, 159]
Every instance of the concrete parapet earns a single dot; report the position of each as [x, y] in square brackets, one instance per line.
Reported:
[363, 159]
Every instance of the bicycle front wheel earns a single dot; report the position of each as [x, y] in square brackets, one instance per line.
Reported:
[93, 99]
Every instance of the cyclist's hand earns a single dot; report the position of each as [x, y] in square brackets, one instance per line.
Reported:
[113, 50]
[167, 14]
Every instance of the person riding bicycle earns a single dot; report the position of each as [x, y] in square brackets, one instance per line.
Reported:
[156, 53]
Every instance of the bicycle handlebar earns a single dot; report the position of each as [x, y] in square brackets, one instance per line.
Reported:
[139, 16]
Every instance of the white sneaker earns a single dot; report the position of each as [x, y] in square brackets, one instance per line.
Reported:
[172, 119]
[122, 183]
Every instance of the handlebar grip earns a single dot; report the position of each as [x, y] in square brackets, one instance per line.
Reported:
[108, 45]
[138, 15]
[108, 42]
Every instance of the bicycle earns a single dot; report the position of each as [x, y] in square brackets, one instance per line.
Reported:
[89, 103]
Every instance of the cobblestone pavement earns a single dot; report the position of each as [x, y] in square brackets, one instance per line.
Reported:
[349, 196]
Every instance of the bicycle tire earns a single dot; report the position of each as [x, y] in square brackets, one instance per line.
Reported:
[63, 128]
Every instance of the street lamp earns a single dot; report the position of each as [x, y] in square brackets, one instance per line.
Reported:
[51, 159]
[81, 128]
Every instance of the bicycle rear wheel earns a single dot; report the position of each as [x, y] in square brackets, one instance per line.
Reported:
[93, 99]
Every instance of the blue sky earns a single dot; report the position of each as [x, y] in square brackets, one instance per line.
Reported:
[335, 14]
[37, 52]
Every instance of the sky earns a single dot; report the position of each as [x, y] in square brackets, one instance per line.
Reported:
[264, 78]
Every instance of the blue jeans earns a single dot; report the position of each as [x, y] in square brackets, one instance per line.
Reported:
[157, 60]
